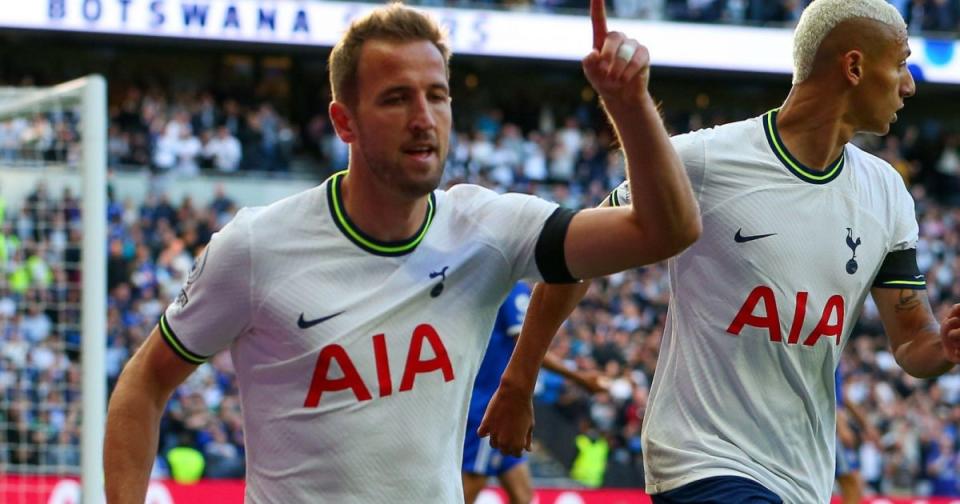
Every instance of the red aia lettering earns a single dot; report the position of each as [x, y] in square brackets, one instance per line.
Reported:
[830, 324]
[415, 364]
[383, 365]
[799, 313]
[825, 327]
[770, 320]
[322, 383]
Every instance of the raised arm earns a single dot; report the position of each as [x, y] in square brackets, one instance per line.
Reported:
[133, 418]
[921, 346]
[663, 218]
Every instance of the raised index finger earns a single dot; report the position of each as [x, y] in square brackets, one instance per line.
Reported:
[598, 16]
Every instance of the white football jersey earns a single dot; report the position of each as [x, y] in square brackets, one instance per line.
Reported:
[762, 305]
[355, 358]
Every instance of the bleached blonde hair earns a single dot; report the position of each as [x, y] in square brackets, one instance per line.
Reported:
[822, 16]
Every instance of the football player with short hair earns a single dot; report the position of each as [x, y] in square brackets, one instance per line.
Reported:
[357, 312]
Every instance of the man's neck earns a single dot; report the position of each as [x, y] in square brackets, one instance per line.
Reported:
[813, 126]
[378, 211]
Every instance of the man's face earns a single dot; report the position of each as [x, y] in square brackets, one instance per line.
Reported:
[886, 83]
[402, 114]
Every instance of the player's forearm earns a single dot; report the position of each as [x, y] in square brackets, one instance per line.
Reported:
[922, 356]
[549, 306]
[662, 198]
[555, 364]
[857, 414]
[130, 444]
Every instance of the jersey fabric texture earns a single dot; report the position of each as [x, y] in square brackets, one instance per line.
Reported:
[355, 358]
[478, 456]
[761, 306]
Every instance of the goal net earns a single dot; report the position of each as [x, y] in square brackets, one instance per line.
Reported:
[52, 291]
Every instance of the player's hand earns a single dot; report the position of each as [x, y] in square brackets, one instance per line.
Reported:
[618, 68]
[509, 421]
[594, 382]
[950, 335]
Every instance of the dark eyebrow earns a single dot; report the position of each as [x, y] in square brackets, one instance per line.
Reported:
[393, 89]
[442, 86]
[404, 88]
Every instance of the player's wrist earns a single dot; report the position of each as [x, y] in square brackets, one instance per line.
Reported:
[630, 106]
[517, 384]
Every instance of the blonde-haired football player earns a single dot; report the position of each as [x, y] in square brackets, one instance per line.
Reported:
[799, 226]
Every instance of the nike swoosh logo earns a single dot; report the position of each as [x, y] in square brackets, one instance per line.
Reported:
[306, 324]
[739, 238]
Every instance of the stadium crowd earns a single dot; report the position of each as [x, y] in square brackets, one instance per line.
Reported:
[185, 133]
[911, 446]
[182, 134]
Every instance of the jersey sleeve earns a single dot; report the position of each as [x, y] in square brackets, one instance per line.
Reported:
[530, 233]
[899, 269]
[514, 309]
[214, 306]
[690, 147]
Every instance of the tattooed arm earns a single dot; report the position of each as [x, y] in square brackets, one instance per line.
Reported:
[916, 338]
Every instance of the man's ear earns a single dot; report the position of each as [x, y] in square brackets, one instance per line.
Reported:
[343, 122]
[853, 66]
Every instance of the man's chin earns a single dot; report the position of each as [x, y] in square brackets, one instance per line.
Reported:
[879, 129]
[421, 186]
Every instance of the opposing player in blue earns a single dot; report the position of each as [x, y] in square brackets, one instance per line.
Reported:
[480, 460]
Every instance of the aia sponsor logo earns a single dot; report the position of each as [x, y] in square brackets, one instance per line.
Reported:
[351, 379]
[830, 324]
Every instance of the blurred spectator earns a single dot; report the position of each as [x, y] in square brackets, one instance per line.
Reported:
[943, 465]
[652, 10]
[591, 461]
[933, 16]
[224, 150]
[223, 458]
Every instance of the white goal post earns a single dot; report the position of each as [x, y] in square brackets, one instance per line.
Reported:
[87, 95]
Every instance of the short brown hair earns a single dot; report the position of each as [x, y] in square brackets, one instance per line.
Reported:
[395, 22]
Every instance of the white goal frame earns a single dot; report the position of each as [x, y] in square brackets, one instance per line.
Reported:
[91, 93]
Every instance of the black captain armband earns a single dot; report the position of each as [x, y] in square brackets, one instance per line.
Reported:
[549, 253]
[900, 271]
